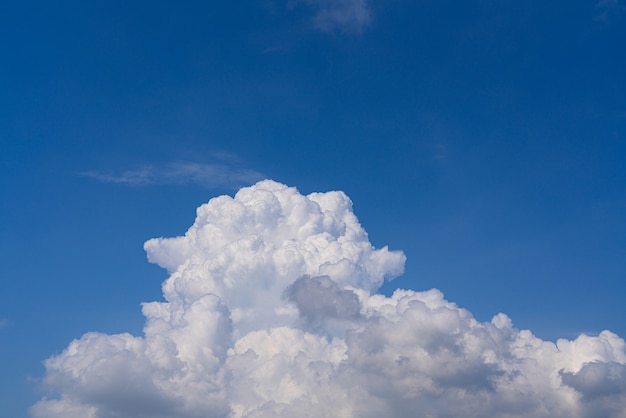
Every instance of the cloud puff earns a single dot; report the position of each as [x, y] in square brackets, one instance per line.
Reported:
[180, 172]
[351, 16]
[270, 310]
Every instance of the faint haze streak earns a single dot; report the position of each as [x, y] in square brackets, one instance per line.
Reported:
[350, 16]
[605, 10]
[180, 172]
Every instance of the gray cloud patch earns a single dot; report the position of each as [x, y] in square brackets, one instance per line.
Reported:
[319, 299]
[597, 379]
[602, 386]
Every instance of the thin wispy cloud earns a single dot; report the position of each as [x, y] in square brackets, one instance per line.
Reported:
[214, 174]
[348, 16]
[270, 311]
[605, 10]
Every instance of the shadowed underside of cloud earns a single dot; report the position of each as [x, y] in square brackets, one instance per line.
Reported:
[270, 311]
[180, 172]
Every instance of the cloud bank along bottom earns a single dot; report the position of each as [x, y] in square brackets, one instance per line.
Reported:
[270, 310]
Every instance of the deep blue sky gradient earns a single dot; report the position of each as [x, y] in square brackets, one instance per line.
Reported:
[485, 139]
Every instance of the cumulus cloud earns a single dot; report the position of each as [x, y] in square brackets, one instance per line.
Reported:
[217, 174]
[351, 16]
[271, 310]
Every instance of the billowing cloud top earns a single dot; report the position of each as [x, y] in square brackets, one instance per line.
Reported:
[270, 311]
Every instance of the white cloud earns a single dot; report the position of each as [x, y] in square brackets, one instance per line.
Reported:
[180, 172]
[351, 16]
[269, 311]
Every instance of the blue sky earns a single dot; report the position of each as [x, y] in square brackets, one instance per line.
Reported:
[487, 140]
